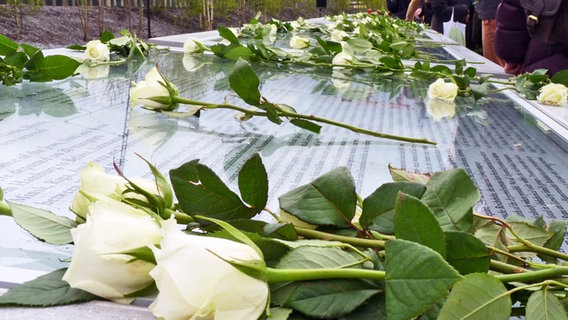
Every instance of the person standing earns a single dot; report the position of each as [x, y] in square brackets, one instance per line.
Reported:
[486, 11]
[420, 10]
[398, 8]
[522, 52]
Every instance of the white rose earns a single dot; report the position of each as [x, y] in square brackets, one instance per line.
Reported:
[97, 51]
[443, 90]
[192, 46]
[300, 22]
[553, 94]
[153, 86]
[97, 265]
[338, 35]
[342, 59]
[439, 109]
[97, 185]
[194, 283]
[273, 29]
[297, 42]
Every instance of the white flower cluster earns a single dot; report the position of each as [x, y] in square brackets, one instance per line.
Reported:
[193, 277]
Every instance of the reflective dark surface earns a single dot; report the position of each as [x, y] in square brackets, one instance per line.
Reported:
[50, 132]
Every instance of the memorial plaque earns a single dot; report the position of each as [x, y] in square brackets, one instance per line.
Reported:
[49, 132]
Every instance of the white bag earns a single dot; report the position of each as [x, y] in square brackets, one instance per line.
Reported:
[455, 30]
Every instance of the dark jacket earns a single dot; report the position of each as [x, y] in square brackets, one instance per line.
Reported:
[486, 9]
[398, 8]
[442, 12]
[513, 43]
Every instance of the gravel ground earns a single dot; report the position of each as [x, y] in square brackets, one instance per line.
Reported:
[53, 27]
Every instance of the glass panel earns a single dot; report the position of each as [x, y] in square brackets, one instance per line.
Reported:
[48, 133]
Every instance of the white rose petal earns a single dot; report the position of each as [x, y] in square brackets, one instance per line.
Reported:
[96, 265]
[97, 185]
[342, 59]
[297, 42]
[338, 35]
[152, 86]
[442, 90]
[553, 94]
[192, 45]
[97, 51]
[194, 283]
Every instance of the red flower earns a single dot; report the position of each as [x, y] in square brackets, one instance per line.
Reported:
[369, 11]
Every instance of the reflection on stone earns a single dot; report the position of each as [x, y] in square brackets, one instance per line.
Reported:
[439, 109]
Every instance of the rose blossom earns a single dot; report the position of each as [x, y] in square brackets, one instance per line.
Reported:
[553, 94]
[97, 266]
[342, 59]
[194, 283]
[297, 42]
[192, 45]
[446, 91]
[153, 87]
[97, 51]
[97, 185]
[338, 35]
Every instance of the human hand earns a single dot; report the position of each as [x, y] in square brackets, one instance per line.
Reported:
[512, 68]
[418, 14]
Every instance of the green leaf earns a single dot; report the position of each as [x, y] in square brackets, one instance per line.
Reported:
[279, 313]
[330, 299]
[400, 175]
[308, 125]
[245, 82]
[239, 52]
[416, 278]
[544, 305]
[59, 67]
[315, 257]
[451, 195]
[284, 231]
[479, 296]
[226, 33]
[558, 228]
[271, 112]
[253, 183]
[372, 308]
[17, 59]
[328, 200]
[466, 253]
[360, 45]
[106, 36]
[43, 225]
[35, 62]
[560, 77]
[44, 291]
[200, 192]
[378, 208]
[526, 230]
[414, 221]
[7, 46]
